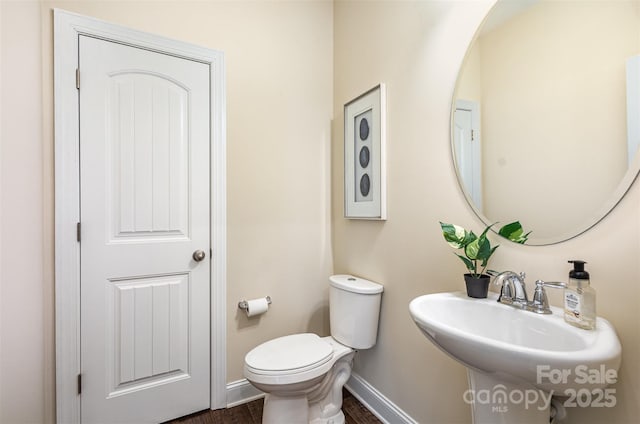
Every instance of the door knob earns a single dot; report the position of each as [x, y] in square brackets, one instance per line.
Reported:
[198, 255]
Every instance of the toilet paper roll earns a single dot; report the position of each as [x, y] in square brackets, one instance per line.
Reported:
[257, 306]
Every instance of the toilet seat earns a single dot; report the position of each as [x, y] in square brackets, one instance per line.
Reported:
[289, 354]
[293, 358]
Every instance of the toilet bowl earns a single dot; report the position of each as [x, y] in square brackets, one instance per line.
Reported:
[303, 374]
[300, 374]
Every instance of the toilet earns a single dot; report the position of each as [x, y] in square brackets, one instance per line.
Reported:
[303, 374]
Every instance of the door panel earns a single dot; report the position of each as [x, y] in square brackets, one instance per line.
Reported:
[149, 119]
[150, 331]
[144, 177]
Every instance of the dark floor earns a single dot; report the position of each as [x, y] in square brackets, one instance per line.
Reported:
[251, 413]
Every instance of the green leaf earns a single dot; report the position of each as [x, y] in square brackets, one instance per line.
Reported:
[513, 229]
[469, 264]
[514, 232]
[456, 236]
[449, 234]
[486, 260]
[472, 249]
[484, 249]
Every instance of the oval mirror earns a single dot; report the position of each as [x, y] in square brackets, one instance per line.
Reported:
[546, 114]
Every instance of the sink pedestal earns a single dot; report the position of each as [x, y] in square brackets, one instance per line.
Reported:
[494, 400]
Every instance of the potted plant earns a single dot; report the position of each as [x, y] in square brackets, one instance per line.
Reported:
[478, 250]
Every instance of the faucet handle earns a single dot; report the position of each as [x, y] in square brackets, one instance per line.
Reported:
[540, 302]
[552, 284]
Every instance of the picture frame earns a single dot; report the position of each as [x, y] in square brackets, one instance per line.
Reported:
[364, 155]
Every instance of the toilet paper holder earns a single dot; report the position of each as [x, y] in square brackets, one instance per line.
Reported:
[243, 303]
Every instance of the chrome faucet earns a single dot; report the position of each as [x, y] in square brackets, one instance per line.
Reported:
[514, 292]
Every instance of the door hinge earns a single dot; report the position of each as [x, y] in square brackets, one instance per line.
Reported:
[78, 78]
[78, 231]
[473, 135]
[79, 383]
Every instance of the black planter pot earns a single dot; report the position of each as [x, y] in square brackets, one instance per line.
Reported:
[477, 287]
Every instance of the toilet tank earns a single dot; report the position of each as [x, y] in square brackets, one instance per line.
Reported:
[354, 309]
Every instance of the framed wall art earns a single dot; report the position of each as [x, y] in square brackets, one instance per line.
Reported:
[364, 156]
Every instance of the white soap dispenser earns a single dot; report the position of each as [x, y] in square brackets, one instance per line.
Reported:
[580, 298]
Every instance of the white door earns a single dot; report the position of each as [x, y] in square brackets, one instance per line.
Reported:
[144, 207]
[466, 138]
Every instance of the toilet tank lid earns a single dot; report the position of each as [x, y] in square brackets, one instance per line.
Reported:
[355, 284]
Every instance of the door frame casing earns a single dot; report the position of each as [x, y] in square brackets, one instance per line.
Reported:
[67, 28]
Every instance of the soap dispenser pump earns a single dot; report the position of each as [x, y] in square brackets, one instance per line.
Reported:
[580, 298]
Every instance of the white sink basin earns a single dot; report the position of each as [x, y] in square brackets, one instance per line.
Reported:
[518, 345]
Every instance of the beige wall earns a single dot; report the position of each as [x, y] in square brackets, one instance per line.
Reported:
[290, 68]
[24, 355]
[416, 49]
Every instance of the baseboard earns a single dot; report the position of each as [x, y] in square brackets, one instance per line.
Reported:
[376, 402]
[241, 391]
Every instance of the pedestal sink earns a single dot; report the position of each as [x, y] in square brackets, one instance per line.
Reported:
[517, 360]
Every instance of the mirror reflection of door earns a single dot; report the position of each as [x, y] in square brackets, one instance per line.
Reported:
[633, 107]
[466, 139]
